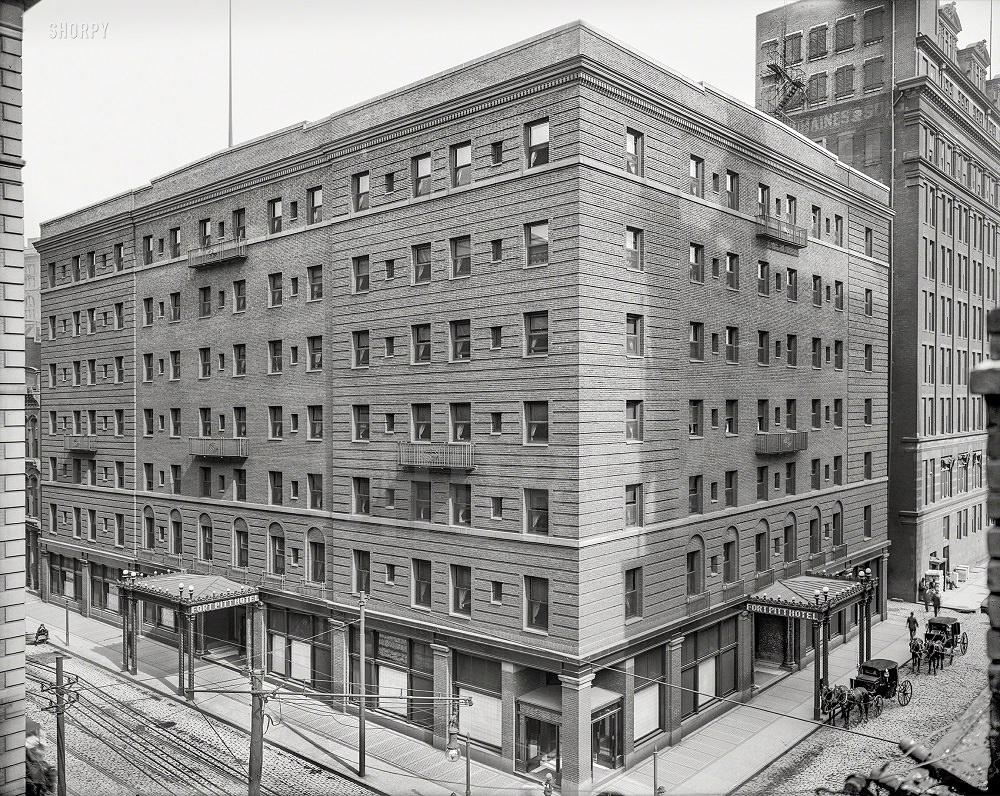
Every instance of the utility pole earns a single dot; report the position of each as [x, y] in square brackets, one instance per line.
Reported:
[362, 601]
[66, 605]
[65, 696]
[61, 721]
[255, 659]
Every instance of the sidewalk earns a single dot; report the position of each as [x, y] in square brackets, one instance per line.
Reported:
[722, 755]
[395, 763]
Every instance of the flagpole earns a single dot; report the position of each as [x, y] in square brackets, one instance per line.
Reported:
[230, 74]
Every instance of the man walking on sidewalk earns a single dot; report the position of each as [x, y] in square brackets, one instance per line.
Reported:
[911, 625]
[936, 601]
[926, 594]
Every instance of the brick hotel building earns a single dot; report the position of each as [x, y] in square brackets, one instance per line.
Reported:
[889, 90]
[534, 351]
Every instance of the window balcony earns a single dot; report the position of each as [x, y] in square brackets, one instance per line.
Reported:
[774, 228]
[439, 456]
[79, 443]
[778, 442]
[763, 579]
[217, 448]
[227, 251]
[730, 591]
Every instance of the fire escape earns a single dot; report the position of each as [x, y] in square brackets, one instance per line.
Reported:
[784, 84]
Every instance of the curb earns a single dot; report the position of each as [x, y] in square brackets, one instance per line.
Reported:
[233, 725]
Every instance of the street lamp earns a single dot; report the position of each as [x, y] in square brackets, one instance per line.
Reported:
[452, 753]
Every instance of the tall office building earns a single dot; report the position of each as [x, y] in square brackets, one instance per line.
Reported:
[534, 352]
[886, 86]
[12, 399]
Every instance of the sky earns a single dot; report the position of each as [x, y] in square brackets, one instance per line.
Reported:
[145, 89]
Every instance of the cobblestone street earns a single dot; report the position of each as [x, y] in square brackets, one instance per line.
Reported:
[828, 756]
[122, 740]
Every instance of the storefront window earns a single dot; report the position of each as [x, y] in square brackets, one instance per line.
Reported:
[395, 666]
[104, 587]
[65, 577]
[480, 679]
[709, 666]
[646, 711]
[298, 647]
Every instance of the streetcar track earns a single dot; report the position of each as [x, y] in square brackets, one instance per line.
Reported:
[136, 727]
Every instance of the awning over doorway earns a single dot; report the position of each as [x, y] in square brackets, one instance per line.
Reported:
[796, 598]
[549, 697]
[198, 593]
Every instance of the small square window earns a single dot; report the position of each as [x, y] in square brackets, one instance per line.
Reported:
[390, 574]
[496, 152]
[496, 422]
[496, 507]
[496, 592]
[496, 336]
[496, 250]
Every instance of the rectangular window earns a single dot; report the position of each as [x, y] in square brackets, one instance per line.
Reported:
[868, 357]
[420, 336]
[315, 421]
[536, 599]
[696, 176]
[537, 143]
[275, 426]
[536, 423]
[633, 249]
[696, 258]
[695, 495]
[763, 348]
[422, 264]
[633, 152]
[461, 164]
[274, 216]
[420, 422]
[421, 583]
[461, 256]
[536, 511]
[733, 271]
[536, 237]
[461, 504]
[315, 279]
[275, 295]
[731, 485]
[696, 418]
[421, 168]
[732, 344]
[634, 342]
[361, 416]
[314, 205]
[696, 339]
[360, 190]
[732, 417]
[872, 71]
[239, 359]
[362, 571]
[361, 489]
[633, 421]
[869, 302]
[633, 592]
[360, 342]
[461, 422]
[315, 349]
[633, 505]
[838, 354]
[421, 500]
[732, 194]
[239, 295]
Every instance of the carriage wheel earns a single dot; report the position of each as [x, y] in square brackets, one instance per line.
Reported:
[905, 692]
[876, 707]
[964, 643]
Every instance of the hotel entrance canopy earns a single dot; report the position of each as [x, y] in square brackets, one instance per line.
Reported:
[805, 596]
[188, 595]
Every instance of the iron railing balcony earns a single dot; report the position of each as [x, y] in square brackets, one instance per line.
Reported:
[79, 443]
[777, 442]
[437, 456]
[226, 251]
[217, 447]
[773, 228]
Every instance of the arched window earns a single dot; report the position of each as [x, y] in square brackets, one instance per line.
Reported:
[815, 531]
[731, 555]
[241, 543]
[695, 565]
[790, 538]
[148, 528]
[176, 533]
[762, 546]
[316, 550]
[838, 524]
[205, 537]
[276, 549]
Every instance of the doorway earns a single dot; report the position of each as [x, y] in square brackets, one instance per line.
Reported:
[606, 737]
[538, 749]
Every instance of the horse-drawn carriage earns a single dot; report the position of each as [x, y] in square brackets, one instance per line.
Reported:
[947, 630]
[943, 637]
[877, 680]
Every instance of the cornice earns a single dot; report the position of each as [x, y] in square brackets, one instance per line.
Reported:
[955, 69]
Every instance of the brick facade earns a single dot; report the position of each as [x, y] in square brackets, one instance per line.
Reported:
[939, 149]
[543, 637]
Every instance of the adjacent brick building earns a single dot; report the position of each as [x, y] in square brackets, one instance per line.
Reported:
[919, 114]
[528, 352]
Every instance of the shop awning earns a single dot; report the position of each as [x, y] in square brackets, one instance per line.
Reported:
[549, 697]
[197, 593]
[795, 598]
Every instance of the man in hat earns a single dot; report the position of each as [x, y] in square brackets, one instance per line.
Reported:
[911, 625]
[936, 601]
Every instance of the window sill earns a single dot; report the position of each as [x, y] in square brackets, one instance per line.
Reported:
[635, 441]
[425, 608]
[536, 631]
[631, 620]
[528, 266]
[535, 444]
[456, 361]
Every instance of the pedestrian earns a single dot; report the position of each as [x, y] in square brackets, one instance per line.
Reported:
[927, 598]
[936, 601]
[911, 625]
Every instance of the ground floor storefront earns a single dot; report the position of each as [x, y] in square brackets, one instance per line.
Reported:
[580, 722]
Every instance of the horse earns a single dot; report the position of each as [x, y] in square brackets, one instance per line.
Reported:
[832, 700]
[916, 653]
[860, 698]
[934, 652]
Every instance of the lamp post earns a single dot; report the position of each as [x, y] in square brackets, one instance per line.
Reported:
[452, 753]
[865, 634]
[821, 620]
